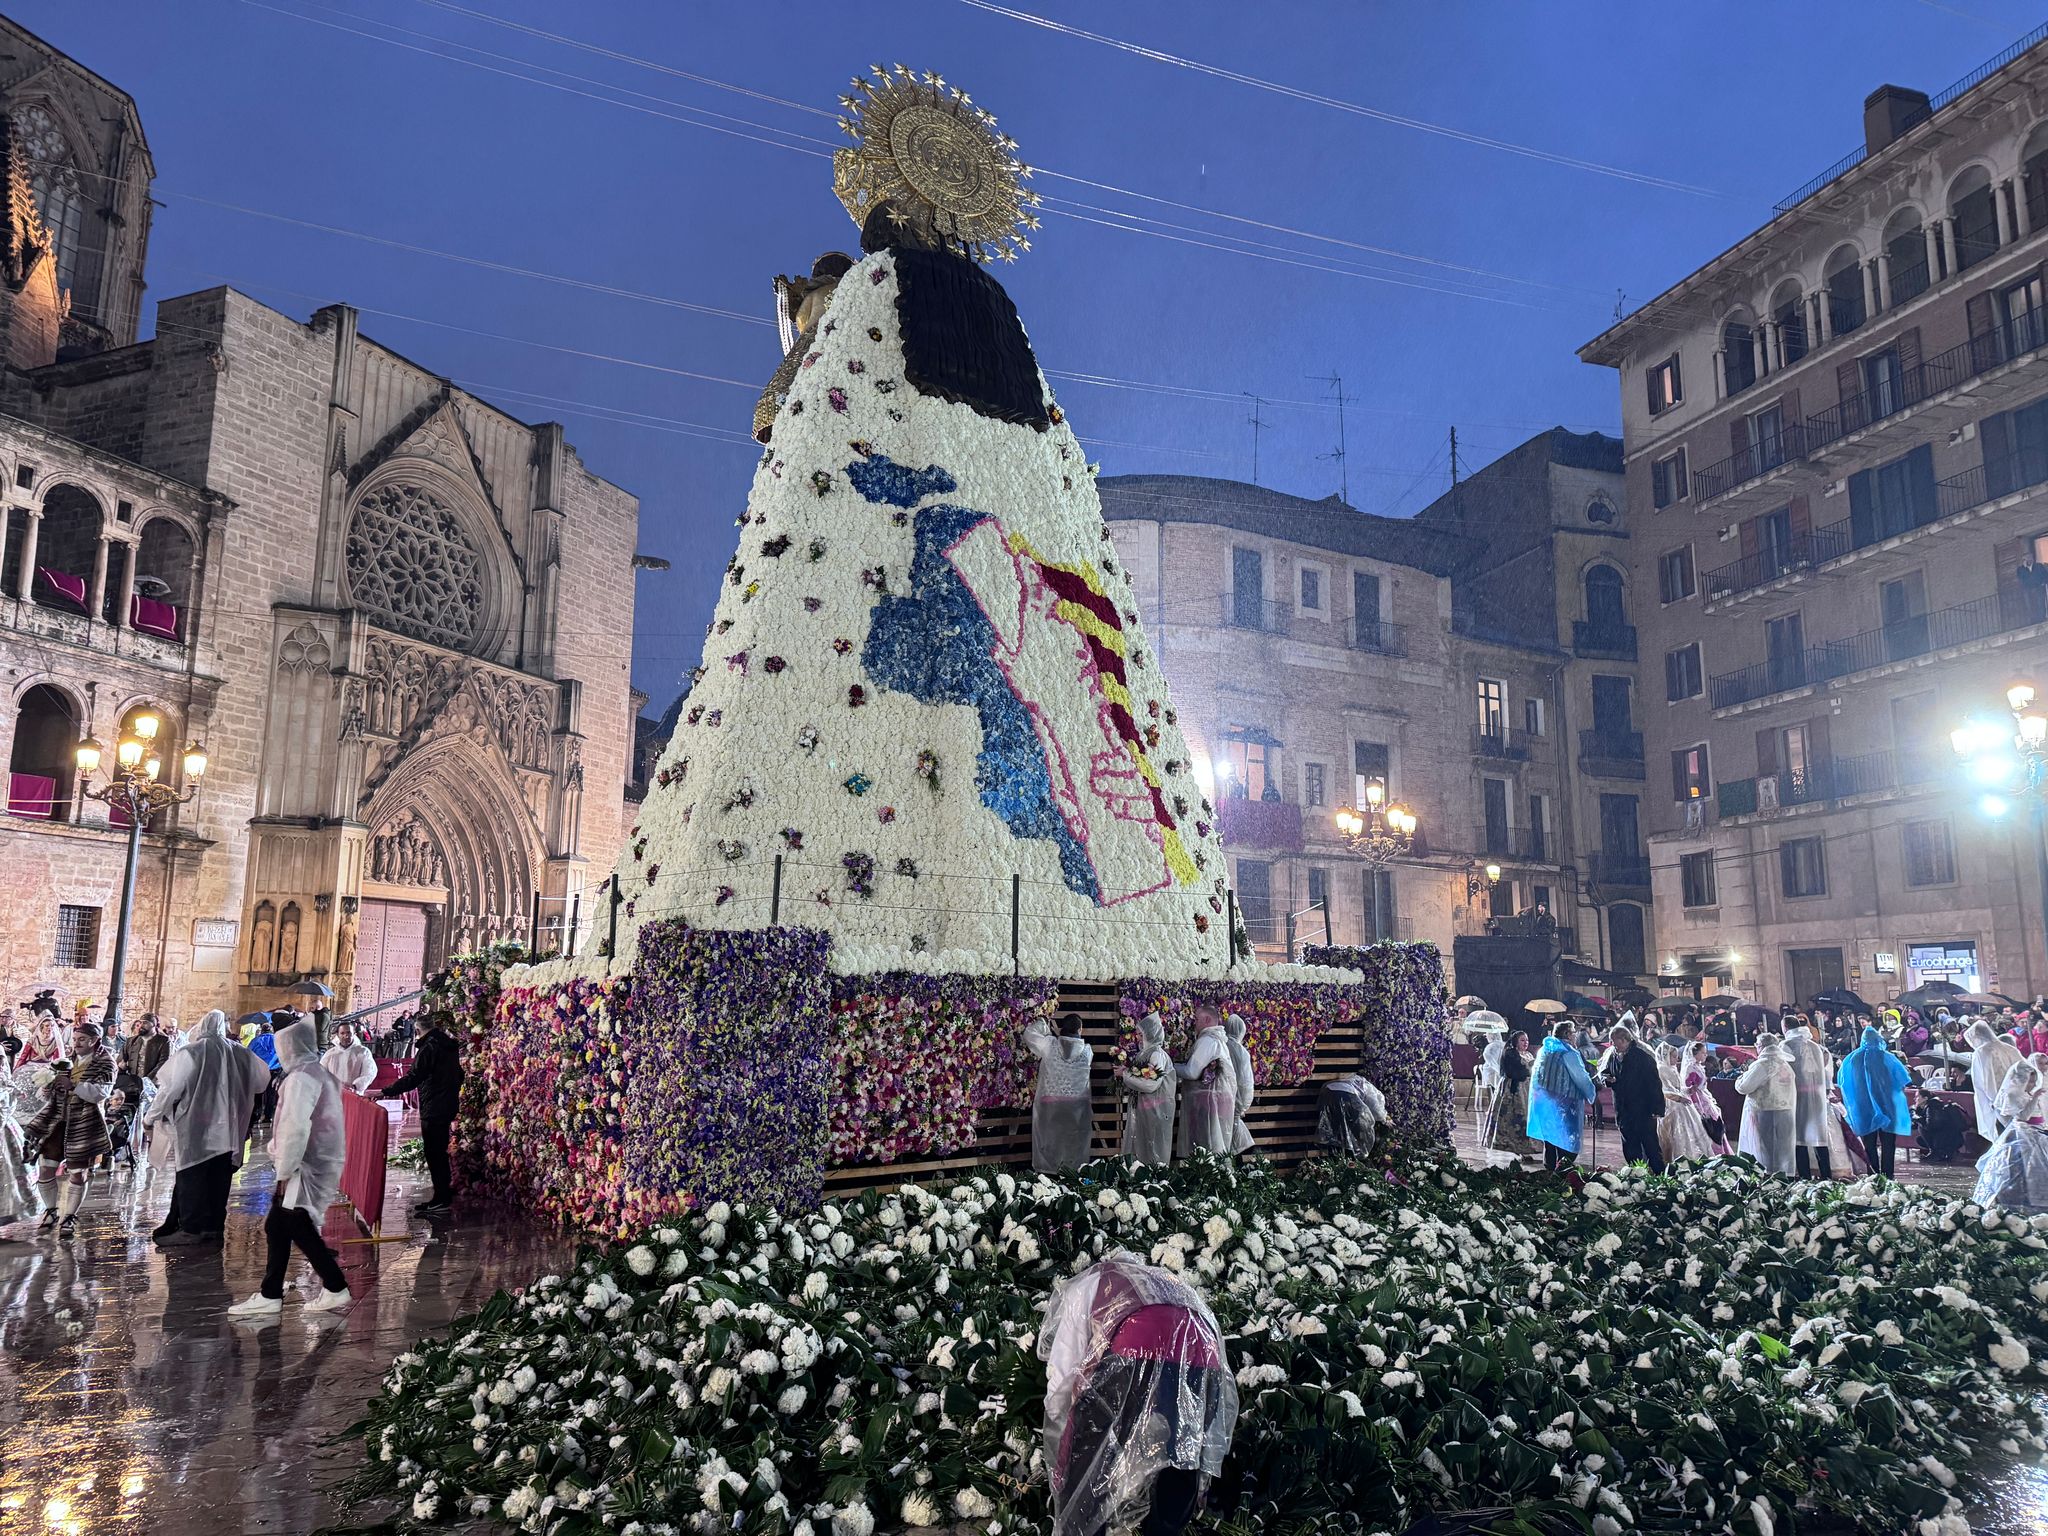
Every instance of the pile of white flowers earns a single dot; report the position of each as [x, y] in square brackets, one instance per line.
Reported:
[1724, 1351]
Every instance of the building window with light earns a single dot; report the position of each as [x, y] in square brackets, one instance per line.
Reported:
[1247, 764]
[1493, 707]
[1690, 777]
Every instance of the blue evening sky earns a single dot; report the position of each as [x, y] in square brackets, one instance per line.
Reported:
[357, 114]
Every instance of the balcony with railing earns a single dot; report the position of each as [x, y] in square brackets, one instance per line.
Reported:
[1827, 780]
[1931, 377]
[1381, 639]
[1959, 493]
[1627, 871]
[1528, 844]
[1264, 824]
[1611, 754]
[1242, 610]
[1602, 640]
[1926, 634]
[1500, 744]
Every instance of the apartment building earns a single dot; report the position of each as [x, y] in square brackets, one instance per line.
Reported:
[1836, 447]
[1314, 649]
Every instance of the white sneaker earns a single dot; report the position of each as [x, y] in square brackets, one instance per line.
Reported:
[330, 1301]
[258, 1305]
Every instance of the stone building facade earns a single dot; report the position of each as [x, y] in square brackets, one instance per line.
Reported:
[397, 618]
[1312, 649]
[1837, 443]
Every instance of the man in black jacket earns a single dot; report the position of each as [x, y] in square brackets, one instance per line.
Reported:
[1638, 1098]
[437, 1074]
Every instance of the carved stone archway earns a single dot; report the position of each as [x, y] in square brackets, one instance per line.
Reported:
[450, 819]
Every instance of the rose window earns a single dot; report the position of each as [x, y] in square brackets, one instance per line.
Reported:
[412, 567]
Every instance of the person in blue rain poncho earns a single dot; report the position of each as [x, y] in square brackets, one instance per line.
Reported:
[1874, 1098]
[1559, 1092]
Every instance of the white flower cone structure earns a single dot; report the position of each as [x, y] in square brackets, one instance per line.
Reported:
[927, 688]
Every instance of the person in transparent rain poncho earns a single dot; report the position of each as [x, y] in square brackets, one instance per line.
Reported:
[1991, 1060]
[1062, 1120]
[198, 1120]
[1148, 1084]
[2013, 1174]
[1208, 1112]
[307, 1148]
[20, 1092]
[1349, 1114]
[1811, 1073]
[1241, 1069]
[1140, 1404]
[1770, 1112]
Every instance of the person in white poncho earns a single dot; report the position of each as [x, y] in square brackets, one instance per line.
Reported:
[349, 1062]
[1990, 1060]
[1812, 1072]
[17, 1190]
[1770, 1090]
[1241, 1067]
[199, 1119]
[1208, 1120]
[1148, 1084]
[307, 1149]
[1062, 1119]
[2014, 1172]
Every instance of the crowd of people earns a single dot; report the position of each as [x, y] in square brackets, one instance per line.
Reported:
[1172, 1109]
[187, 1105]
[1818, 1094]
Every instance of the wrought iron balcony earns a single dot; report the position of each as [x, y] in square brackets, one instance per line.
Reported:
[1829, 779]
[1922, 635]
[1383, 639]
[1241, 610]
[1530, 844]
[1611, 754]
[1603, 641]
[1500, 743]
[1759, 458]
[1630, 871]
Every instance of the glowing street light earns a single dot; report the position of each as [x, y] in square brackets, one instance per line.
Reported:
[1380, 834]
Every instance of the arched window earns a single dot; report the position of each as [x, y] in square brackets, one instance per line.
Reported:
[163, 579]
[1625, 952]
[1846, 310]
[413, 568]
[67, 549]
[41, 768]
[1605, 611]
[2034, 178]
[1905, 245]
[1738, 354]
[54, 183]
[1973, 206]
[1788, 313]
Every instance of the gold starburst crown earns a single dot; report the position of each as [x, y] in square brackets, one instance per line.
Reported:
[935, 159]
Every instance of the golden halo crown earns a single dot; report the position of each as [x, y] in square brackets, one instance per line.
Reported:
[926, 150]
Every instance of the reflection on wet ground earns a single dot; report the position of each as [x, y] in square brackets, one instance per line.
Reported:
[129, 1401]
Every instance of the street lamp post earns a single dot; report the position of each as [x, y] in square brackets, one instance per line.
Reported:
[2005, 760]
[133, 785]
[1382, 833]
[1478, 880]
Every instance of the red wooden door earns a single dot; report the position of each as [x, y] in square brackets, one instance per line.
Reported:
[391, 952]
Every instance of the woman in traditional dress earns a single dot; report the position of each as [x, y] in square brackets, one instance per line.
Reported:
[69, 1134]
[1682, 1131]
[1692, 1081]
[1148, 1084]
[2014, 1172]
[1061, 1118]
[17, 1189]
[1770, 1113]
[1512, 1123]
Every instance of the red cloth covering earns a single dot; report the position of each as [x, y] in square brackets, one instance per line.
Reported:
[30, 794]
[366, 1129]
[152, 617]
[65, 586]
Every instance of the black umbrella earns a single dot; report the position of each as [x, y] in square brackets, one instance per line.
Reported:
[1929, 994]
[1841, 1000]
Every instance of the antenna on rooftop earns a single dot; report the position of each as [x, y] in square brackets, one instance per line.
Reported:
[1258, 425]
[1336, 383]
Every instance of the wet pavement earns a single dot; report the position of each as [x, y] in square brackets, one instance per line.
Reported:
[130, 1402]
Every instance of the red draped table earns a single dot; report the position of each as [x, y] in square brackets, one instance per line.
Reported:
[366, 1125]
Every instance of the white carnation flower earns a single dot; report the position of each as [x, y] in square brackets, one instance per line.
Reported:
[919, 1511]
[973, 1504]
[640, 1260]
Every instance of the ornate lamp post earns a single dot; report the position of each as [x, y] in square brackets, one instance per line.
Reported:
[1478, 880]
[132, 786]
[2005, 761]
[1380, 834]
